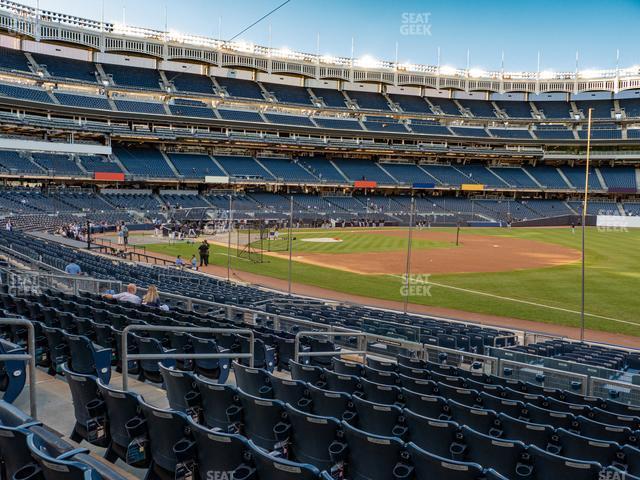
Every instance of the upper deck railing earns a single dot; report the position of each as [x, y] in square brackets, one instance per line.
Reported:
[106, 36]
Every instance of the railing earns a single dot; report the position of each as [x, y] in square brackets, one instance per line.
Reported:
[549, 377]
[179, 356]
[530, 368]
[133, 255]
[561, 364]
[620, 391]
[29, 281]
[30, 356]
[106, 242]
[362, 346]
[433, 353]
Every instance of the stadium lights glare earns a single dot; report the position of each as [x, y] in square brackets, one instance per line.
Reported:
[243, 46]
[328, 59]
[590, 73]
[478, 72]
[547, 74]
[368, 62]
[447, 70]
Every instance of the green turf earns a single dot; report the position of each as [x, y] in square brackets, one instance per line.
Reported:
[351, 242]
[612, 272]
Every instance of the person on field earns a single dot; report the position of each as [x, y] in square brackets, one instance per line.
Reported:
[203, 249]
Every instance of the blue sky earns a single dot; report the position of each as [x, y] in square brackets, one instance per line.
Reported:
[485, 28]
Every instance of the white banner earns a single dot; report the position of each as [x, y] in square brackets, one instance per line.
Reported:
[216, 179]
[617, 221]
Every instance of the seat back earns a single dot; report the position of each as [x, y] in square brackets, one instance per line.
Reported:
[270, 467]
[179, 384]
[371, 456]
[428, 465]
[263, 420]
[311, 437]
[216, 400]
[165, 428]
[431, 434]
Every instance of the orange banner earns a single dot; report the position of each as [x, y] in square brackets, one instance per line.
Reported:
[365, 184]
[471, 186]
[118, 177]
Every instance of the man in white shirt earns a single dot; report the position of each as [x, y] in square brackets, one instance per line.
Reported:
[128, 297]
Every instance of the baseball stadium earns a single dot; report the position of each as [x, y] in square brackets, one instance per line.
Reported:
[225, 260]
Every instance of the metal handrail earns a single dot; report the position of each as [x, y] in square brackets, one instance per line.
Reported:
[180, 356]
[297, 353]
[30, 356]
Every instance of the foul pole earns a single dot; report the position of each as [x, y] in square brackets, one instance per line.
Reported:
[584, 219]
[290, 240]
[230, 220]
[407, 281]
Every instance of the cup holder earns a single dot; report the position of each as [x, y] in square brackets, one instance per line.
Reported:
[402, 470]
[28, 472]
[135, 427]
[243, 472]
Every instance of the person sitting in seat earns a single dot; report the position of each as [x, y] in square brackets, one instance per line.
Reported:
[151, 298]
[72, 269]
[129, 296]
[179, 261]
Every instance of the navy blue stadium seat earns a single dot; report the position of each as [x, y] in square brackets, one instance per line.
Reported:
[330, 404]
[314, 439]
[527, 432]
[427, 465]
[293, 392]
[263, 421]
[121, 408]
[439, 437]
[220, 404]
[507, 457]
[164, 429]
[547, 465]
[373, 457]
[254, 381]
[386, 420]
[88, 358]
[217, 451]
[181, 388]
[588, 449]
[271, 467]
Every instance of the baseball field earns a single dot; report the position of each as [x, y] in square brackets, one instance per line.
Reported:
[521, 273]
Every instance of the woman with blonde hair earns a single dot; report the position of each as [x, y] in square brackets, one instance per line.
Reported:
[151, 298]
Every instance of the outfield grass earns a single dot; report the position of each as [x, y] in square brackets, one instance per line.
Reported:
[612, 272]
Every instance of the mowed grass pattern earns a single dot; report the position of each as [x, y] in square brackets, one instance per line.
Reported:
[350, 242]
[612, 277]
